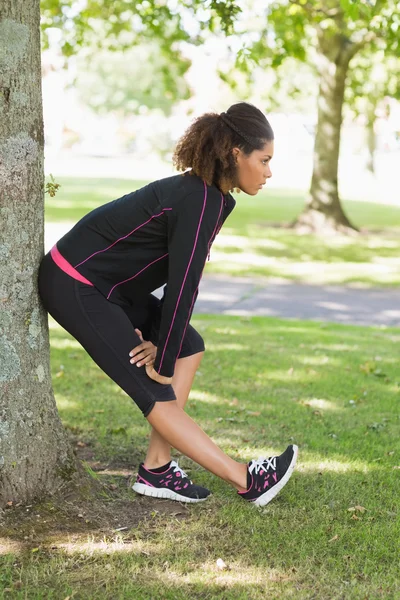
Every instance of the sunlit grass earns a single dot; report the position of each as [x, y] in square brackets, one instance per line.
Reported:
[332, 534]
[256, 242]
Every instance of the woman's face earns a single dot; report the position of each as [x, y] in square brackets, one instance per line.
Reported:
[253, 169]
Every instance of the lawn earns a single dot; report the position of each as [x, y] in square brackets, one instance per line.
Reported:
[333, 533]
[255, 240]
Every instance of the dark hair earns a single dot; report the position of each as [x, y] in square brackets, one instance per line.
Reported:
[206, 146]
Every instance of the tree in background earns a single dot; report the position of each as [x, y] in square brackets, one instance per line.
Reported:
[373, 79]
[327, 34]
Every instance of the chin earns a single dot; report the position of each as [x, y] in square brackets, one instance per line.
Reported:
[249, 192]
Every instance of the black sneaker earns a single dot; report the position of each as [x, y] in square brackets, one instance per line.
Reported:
[173, 484]
[267, 476]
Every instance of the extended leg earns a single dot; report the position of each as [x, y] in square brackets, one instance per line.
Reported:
[181, 432]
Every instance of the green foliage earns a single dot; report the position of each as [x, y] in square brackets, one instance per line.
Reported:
[125, 81]
[52, 187]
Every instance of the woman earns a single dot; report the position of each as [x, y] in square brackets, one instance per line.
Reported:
[97, 282]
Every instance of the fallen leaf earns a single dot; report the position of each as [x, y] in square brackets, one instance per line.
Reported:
[360, 508]
[355, 517]
[81, 444]
[397, 467]
[290, 371]
[35, 550]
[335, 537]
[352, 508]
[390, 453]
[9, 503]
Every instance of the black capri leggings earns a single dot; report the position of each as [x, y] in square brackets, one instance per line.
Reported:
[107, 331]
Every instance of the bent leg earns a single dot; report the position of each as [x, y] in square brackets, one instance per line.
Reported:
[159, 451]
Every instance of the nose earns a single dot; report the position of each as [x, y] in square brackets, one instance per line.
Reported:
[268, 172]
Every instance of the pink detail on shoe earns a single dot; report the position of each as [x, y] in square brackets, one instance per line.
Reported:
[152, 472]
[177, 488]
[169, 476]
[266, 483]
[249, 488]
[178, 474]
[146, 482]
[275, 476]
[185, 486]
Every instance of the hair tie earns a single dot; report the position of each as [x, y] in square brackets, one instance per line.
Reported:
[226, 119]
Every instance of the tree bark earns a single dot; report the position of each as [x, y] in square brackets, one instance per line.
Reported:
[323, 212]
[35, 455]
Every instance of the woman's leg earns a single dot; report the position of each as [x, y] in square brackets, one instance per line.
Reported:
[106, 333]
[181, 432]
[159, 451]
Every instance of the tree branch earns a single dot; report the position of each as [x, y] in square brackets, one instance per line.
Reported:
[310, 8]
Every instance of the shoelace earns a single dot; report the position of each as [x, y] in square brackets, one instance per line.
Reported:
[262, 463]
[177, 469]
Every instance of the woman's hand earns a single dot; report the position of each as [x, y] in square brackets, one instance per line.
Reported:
[156, 376]
[144, 354]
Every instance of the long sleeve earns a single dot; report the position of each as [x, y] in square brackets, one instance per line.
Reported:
[192, 226]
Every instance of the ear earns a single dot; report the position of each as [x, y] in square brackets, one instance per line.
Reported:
[236, 152]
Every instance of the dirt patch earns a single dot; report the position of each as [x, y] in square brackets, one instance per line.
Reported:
[99, 504]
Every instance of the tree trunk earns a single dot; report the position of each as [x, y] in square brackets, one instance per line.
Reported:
[371, 137]
[323, 212]
[35, 455]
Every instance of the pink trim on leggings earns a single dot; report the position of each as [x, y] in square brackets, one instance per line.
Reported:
[123, 237]
[66, 267]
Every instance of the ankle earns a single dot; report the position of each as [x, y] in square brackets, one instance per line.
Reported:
[238, 477]
[156, 463]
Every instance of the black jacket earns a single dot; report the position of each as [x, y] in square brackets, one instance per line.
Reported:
[159, 234]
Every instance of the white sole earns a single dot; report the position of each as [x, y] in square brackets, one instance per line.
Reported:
[268, 496]
[146, 490]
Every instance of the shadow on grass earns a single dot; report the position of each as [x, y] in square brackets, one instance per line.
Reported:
[327, 535]
[263, 383]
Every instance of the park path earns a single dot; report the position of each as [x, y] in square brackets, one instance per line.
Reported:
[222, 294]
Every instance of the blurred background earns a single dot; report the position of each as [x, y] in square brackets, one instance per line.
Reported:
[122, 82]
[103, 118]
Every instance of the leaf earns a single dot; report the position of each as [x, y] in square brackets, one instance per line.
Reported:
[355, 517]
[35, 549]
[352, 509]
[81, 444]
[335, 537]
[360, 508]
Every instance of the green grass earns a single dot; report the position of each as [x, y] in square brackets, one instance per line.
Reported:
[254, 243]
[334, 390]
